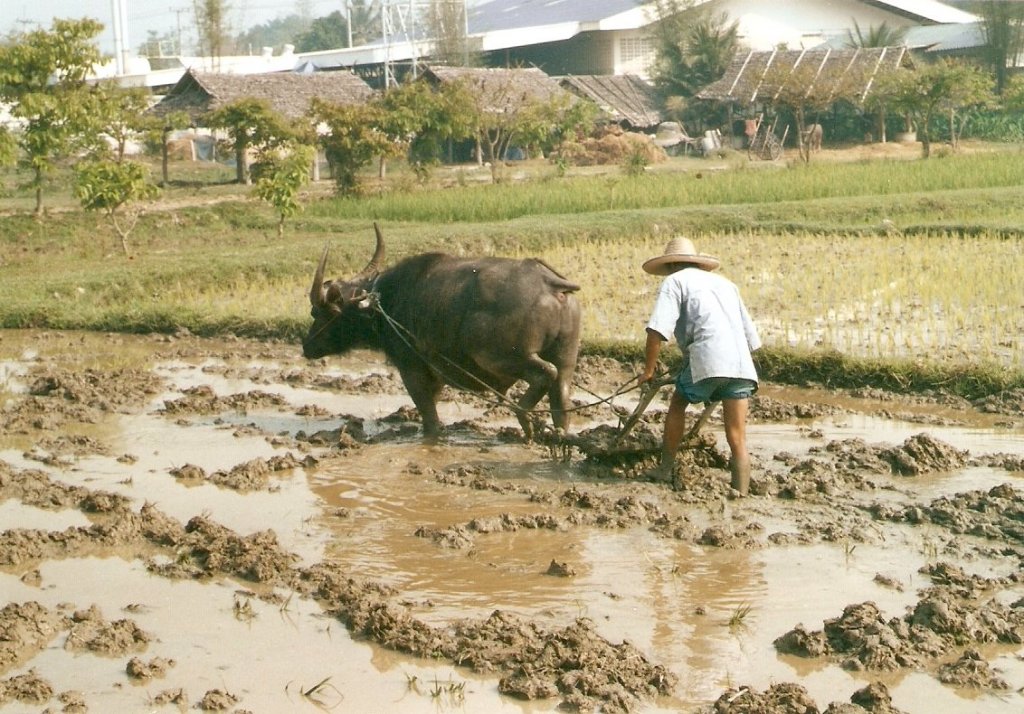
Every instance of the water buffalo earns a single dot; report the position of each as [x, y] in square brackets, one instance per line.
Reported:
[479, 324]
[812, 137]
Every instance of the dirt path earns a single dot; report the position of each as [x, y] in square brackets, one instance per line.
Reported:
[223, 526]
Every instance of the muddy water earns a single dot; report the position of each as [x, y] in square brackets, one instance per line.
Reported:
[709, 613]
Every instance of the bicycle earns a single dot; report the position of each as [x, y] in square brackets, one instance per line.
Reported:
[764, 144]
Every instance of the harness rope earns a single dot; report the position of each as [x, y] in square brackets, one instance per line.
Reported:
[502, 400]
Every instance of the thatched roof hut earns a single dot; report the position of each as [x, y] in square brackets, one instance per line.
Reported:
[501, 90]
[624, 98]
[761, 76]
[287, 93]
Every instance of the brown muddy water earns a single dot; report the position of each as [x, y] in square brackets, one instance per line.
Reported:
[182, 526]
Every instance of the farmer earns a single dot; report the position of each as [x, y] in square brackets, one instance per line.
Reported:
[716, 336]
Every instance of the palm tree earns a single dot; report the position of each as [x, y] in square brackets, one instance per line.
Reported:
[884, 35]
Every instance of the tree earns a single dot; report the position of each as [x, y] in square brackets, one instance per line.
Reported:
[159, 134]
[275, 33]
[119, 114]
[212, 27]
[884, 35]
[42, 77]
[946, 86]
[355, 137]
[324, 33]
[108, 186]
[8, 147]
[692, 50]
[446, 23]
[364, 17]
[1002, 23]
[428, 118]
[284, 170]
[251, 124]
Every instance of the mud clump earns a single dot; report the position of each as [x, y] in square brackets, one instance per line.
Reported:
[971, 670]
[217, 700]
[90, 632]
[203, 400]
[205, 549]
[253, 475]
[156, 667]
[25, 629]
[28, 688]
[946, 617]
[994, 514]
[923, 454]
[789, 698]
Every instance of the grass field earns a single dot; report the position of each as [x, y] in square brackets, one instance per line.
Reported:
[910, 269]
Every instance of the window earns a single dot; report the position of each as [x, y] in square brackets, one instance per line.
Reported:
[635, 49]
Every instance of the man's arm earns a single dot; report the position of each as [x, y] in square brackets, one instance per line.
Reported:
[651, 351]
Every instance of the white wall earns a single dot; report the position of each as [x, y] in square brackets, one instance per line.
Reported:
[800, 24]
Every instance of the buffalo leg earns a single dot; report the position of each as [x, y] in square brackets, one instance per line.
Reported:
[542, 376]
[424, 389]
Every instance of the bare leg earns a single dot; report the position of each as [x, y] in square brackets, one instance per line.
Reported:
[734, 412]
[675, 429]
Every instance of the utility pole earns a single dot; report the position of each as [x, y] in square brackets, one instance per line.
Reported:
[177, 12]
[348, 20]
[115, 12]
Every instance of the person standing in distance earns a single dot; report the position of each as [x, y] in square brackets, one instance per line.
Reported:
[705, 313]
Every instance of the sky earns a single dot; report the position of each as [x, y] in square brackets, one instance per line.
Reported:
[143, 15]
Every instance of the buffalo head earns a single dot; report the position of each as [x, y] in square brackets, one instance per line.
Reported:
[341, 309]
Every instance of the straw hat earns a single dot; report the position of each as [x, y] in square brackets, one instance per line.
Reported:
[679, 250]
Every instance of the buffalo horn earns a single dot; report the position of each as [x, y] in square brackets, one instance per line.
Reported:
[317, 294]
[373, 267]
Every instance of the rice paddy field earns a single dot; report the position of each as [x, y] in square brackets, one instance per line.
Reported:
[915, 262]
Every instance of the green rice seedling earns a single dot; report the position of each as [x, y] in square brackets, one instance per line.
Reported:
[736, 619]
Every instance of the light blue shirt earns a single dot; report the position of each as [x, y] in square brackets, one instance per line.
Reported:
[710, 322]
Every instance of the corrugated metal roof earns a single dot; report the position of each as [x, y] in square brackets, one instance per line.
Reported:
[931, 10]
[946, 38]
[496, 15]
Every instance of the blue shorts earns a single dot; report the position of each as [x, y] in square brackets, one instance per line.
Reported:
[713, 389]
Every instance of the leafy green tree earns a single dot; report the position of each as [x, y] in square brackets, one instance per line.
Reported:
[284, 170]
[807, 92]
[109, 186]
[159, 134]
[429, 118]
[1013, 94]
[692, 50]
[8, 147]
[324, 33]
[119, 114]
[1002, 22]
[946, 86]
[251, 124]
[42, 77]
[355, 137]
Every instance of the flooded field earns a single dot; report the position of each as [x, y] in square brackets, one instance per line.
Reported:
[220, 525]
